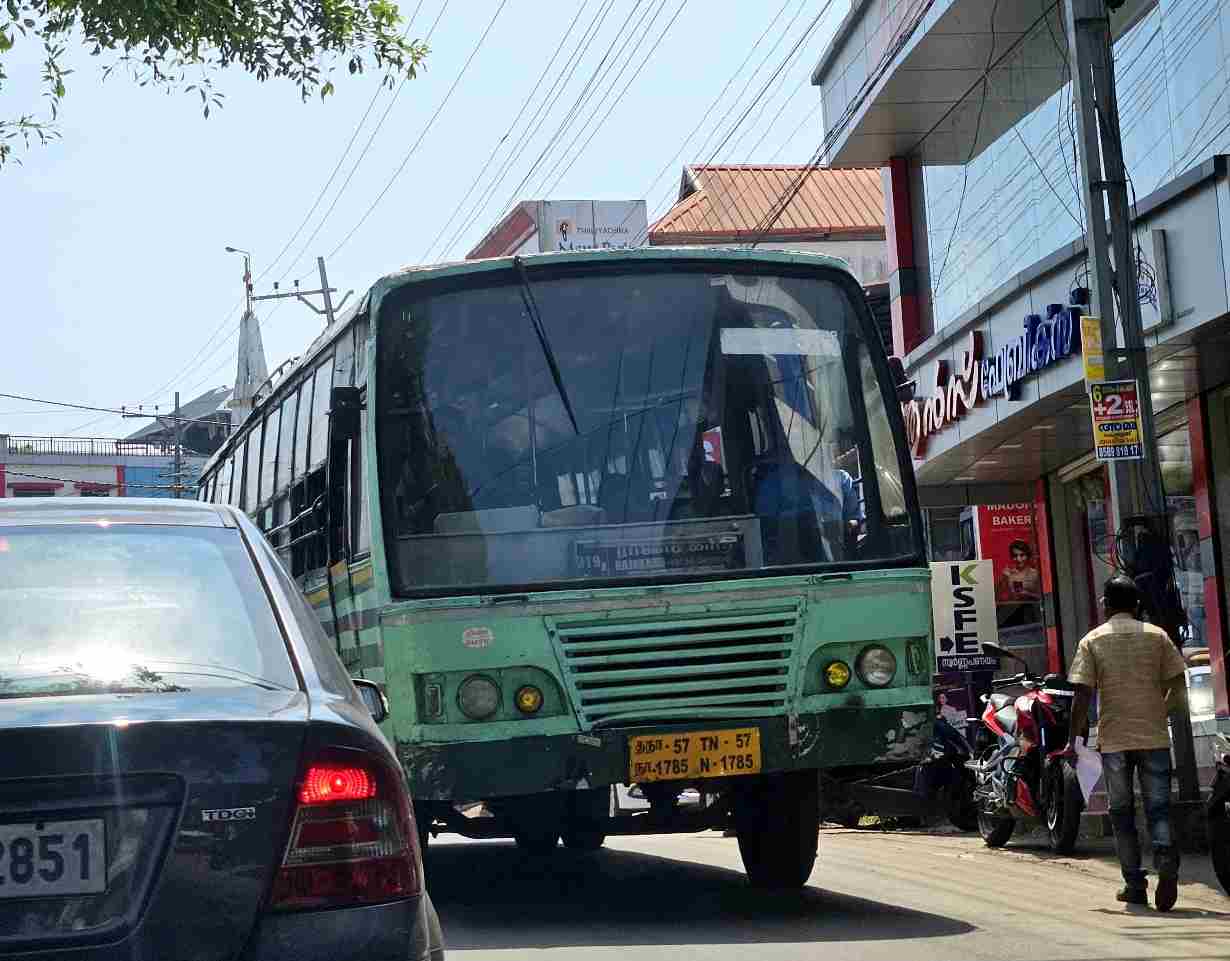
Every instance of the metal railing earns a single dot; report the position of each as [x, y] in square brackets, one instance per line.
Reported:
[18, 445]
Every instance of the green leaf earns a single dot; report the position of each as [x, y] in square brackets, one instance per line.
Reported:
[326, 89]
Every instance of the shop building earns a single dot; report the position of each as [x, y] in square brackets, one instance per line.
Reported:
[965, 106]
[90, 467]
[835, 212]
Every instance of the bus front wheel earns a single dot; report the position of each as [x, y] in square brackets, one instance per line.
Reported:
[583, 839]
[777, 822]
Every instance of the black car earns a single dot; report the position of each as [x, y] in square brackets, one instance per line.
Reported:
[187, 773]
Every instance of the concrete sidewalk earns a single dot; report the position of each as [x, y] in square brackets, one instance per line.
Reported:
[1094, 856]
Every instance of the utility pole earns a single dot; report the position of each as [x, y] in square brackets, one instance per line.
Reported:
[1137, 495]
[325, 291]
[179, 451]
[175, 424]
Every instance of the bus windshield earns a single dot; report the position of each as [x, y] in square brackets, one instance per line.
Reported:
[647, 424]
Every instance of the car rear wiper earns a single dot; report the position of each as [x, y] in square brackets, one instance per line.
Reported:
[531, 306]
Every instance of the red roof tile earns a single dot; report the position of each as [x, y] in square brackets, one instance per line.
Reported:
[730, 203]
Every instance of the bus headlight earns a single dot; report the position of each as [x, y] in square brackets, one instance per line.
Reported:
[876, 665]
[529, 699]
[837, 674]
[478, 697]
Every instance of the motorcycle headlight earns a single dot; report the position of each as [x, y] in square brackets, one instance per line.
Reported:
[876, 666]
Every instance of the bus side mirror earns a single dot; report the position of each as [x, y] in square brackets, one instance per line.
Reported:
[377, 704]
[344, 407]
[905, 388]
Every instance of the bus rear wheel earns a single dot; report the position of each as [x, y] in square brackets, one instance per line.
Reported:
[777, 822]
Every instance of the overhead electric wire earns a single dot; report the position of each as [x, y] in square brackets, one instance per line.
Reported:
[712, 106]
[298, 258]
[632, 44]
[787, 196]
[564, 124]
[623, 91]
[568, 66]
[354, 135]
[714, 196]
[423, 133]
[508, 133]
[229, 317]
[794, 133]
[122, 411]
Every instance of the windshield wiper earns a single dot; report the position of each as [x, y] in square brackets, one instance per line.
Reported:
[527, 295]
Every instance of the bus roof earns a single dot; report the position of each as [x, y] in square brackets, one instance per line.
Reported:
[734, 255]
[461, 268]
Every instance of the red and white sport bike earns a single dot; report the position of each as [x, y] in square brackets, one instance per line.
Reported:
[1020, 769]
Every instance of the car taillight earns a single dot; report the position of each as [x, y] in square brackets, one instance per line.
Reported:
[352, 838]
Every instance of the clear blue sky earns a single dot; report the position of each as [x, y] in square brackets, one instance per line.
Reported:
[113, 271]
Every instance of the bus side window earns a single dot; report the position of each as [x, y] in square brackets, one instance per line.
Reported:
[252, 471]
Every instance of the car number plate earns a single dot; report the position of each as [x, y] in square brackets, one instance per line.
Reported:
[693, 754]
[53, 858]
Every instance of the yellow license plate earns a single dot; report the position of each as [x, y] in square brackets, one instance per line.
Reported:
[671, 757]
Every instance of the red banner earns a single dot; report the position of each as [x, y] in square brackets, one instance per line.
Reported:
[1006, 537]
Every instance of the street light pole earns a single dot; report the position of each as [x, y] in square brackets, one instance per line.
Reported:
[247, 276]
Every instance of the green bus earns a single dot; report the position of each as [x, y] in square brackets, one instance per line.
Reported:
[606, 523]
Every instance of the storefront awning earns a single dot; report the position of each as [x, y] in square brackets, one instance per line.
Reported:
[914, 70]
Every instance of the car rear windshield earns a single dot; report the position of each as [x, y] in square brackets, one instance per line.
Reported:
[88, 609]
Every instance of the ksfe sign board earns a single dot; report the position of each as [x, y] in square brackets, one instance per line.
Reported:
[1115, 408]
[963, 602]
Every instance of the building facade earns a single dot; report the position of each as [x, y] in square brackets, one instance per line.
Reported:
[90, 467]
[966, 108]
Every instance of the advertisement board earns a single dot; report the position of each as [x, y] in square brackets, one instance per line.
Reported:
[1115, 409]
[1091, 350]
[1006, 538]
[963, 601]
[590, 224]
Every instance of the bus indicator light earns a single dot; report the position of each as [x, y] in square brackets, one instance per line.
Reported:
[837, 674]
[529, 699]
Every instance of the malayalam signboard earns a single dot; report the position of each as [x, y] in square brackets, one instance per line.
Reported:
[1115, 408]
[963, 602]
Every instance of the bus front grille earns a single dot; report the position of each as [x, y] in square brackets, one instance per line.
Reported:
[680, 666]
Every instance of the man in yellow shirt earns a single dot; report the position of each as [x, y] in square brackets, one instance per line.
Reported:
[1138, 675]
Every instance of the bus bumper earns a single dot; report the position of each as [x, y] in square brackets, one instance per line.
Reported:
[836, 738]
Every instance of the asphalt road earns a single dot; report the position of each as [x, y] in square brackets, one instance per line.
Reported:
[872, 896]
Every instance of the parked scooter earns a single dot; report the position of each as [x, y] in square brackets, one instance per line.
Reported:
[1024, 775]
[1218, 811]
